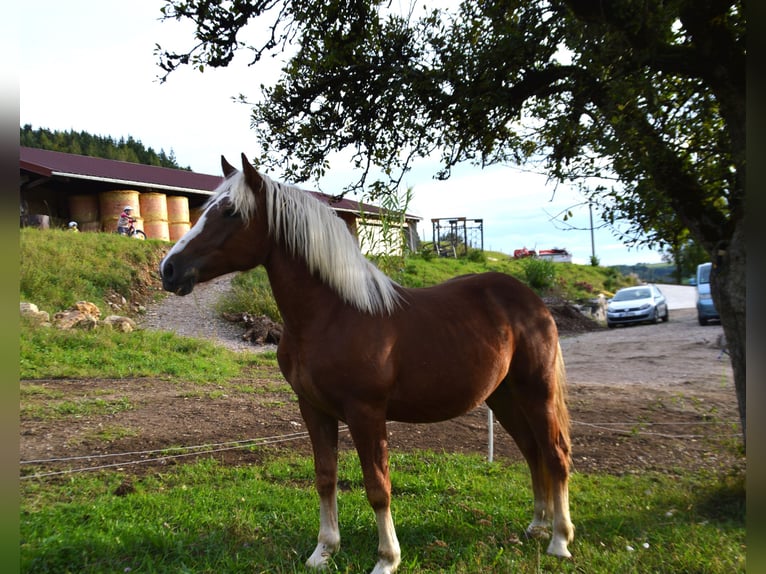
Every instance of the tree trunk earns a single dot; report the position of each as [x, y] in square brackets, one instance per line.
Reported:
[728, 287]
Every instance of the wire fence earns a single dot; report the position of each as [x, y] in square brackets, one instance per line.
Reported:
[161, 455]
[634, 428]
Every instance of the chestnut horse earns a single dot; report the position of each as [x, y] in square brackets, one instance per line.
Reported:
[361, 349]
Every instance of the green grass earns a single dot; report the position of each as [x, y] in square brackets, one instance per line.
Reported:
[251, 292]
[59, 268]
[106, 434]
[53, 353]
[75, 408]
[454, 513]
[575, 282]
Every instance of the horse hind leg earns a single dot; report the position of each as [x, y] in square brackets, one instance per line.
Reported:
[557, 468]
[512, 419]
[541, 430]
[553, 436]
[549, 421]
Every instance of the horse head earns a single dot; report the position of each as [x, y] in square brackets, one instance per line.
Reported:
[230, 235]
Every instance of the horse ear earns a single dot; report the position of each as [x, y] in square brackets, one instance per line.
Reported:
[252, 177]
[227, 168]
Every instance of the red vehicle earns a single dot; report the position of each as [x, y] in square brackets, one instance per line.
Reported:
[523, 252]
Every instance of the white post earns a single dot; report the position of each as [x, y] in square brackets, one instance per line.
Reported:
[490, 434]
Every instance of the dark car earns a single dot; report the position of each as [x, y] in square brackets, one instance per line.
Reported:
[641, 304]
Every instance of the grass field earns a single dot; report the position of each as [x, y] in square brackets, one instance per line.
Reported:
[453, 513]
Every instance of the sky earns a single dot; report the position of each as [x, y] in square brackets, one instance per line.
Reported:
[89, 65]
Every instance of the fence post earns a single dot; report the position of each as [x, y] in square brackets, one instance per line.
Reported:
[490, 435]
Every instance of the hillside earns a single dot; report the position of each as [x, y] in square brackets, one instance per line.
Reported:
[59, 268]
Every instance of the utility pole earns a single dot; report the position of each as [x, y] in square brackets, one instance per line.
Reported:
[592, 241]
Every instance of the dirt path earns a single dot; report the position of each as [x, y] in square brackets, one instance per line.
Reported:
[195, 316]
[651, 397]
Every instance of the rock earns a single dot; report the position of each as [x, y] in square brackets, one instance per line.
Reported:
[119, 323]
[595, 308]
[83, 315]
[72, 318]
[28, 309]
[115, 301]
[87, 307]
[31, 311]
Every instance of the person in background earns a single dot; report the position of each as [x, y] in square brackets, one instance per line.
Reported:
[125, 220]
[73, 226]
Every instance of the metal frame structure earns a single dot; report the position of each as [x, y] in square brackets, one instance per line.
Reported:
[452, 236]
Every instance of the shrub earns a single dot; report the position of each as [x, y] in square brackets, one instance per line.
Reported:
[476, 255]
[251, 293]
[540, 274]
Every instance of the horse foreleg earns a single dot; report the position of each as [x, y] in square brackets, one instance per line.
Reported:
[389, 553]
[323, 431]
[371, 441]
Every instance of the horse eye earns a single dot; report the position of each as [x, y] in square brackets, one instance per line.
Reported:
[229, 212]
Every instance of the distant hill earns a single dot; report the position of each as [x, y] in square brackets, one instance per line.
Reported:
[650, 273]
[83, 143]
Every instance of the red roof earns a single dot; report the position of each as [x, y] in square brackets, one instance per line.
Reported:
[54, 163]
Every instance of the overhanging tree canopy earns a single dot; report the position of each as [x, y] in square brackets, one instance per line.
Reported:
[651, 93]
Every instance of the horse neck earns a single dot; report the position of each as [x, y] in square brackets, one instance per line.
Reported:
[300, 295]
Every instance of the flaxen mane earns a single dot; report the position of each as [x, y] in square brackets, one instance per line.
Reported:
[310, 229]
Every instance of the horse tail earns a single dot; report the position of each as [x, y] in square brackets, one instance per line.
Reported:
[561, 412]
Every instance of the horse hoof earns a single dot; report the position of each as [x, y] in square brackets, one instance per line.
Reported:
[384, 567]
[558, 548]
[320, 559]
[316, 564]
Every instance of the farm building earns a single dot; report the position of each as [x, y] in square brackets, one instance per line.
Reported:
[58, 187]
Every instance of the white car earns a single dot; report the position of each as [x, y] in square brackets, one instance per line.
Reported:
[644, 303]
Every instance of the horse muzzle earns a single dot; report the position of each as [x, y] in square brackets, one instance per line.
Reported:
[180, 281]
